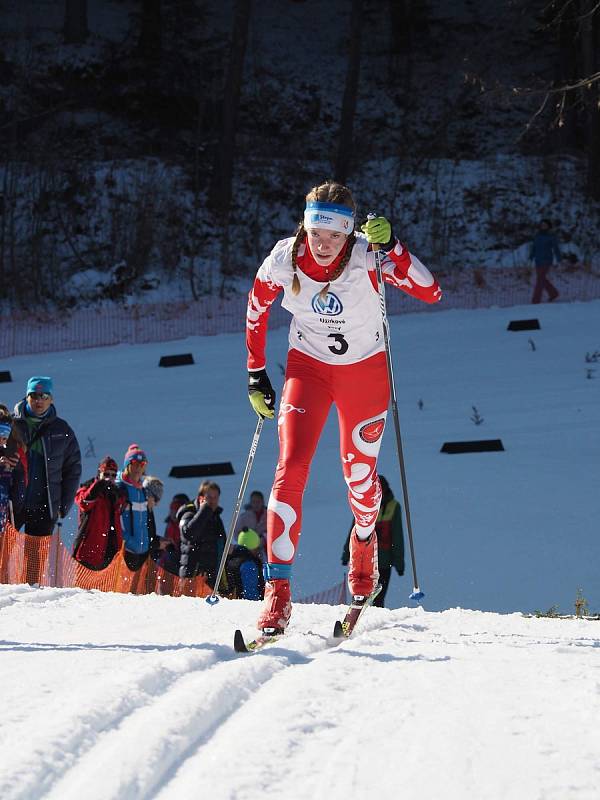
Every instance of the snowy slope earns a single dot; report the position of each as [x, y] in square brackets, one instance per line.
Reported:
[117, 698]
[510, 531]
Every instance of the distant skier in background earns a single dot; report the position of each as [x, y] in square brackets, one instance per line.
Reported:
[390, 540]
[337, 355]
[544, 250]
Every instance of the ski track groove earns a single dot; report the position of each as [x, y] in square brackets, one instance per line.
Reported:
[175, 725]
[171, 712]
[286, 659]
[83, 735]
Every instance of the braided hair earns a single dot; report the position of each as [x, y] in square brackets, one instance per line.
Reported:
[328, 192]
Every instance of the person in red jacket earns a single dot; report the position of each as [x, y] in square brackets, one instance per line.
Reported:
[327, 273]
[100, 535]
[13, 468]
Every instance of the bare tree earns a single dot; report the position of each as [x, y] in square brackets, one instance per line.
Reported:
[222, 171]
[150, 41]
[590, 40]
[76, 21]
[345, 138]
[220, 189]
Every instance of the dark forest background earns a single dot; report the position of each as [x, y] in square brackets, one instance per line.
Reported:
[161, 142]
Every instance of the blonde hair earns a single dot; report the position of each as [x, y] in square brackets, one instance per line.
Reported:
[328, 192]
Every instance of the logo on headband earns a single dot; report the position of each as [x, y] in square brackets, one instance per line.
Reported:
[318, 218]
[332, 305]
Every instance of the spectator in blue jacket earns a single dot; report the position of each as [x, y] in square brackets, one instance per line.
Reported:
[53, 459]
[245, 567]
[544, 250]
[134, 516]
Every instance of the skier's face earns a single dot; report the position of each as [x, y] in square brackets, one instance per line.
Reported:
[325, 245]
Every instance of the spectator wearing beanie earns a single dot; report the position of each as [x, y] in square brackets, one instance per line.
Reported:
[245, 567]
[134, 517]
[100, 502]
[53, 459]
[13, 469]
[154, 489]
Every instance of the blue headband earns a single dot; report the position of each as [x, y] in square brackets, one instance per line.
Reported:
[5, 429]
[329, 216]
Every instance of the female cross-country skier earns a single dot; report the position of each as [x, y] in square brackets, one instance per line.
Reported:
[336, 355]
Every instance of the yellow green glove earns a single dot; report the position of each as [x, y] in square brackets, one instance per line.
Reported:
[261, 394]
[378, 231]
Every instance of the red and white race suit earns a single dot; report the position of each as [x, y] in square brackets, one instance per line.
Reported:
[336, 355]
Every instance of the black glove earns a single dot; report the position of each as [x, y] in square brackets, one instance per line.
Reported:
[261, 394]
[98, 489]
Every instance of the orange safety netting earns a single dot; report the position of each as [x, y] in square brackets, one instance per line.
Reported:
[46, 561]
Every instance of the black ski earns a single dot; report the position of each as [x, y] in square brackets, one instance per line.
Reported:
[343, 629]
[240, 645]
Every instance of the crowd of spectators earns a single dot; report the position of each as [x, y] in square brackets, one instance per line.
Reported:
[40, 474]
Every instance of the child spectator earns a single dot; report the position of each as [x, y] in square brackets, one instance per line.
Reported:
[245, 567]
[202, 534]
[13, 468]
[100, 503]
[134, 517]
[154, 489]
[169, 542]
[254, 517]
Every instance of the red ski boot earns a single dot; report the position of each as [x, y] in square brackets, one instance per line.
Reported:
[363, 575]
[277, 608]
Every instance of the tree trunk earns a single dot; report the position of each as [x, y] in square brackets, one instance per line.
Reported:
[590, 40]
[76, 22]
[401, 33]
[568, 70]
[223, 160]
[344, 154]
[150, 41]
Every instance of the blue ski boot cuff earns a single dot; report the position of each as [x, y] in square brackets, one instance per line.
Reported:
[277, 571]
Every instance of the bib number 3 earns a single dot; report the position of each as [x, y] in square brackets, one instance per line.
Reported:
[340, 346]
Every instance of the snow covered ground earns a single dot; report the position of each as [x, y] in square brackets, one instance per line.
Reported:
[112, 697]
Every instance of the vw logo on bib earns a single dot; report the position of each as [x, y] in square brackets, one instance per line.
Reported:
[331, 306]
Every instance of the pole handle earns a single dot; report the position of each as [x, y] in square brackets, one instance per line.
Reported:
[374, 245]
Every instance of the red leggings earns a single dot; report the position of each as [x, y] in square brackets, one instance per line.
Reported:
[361, 394]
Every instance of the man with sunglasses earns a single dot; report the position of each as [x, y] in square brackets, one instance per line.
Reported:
[53, 459]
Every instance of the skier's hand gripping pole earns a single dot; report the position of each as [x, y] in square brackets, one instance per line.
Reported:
[213, 598]
[375, 231]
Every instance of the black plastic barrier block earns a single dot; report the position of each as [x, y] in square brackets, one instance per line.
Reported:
[479, 446]
[201, 470]
[176, 361]
[5, 377]
[524, 325]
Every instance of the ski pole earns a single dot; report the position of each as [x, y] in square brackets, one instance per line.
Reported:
[212, 599]
[416, 593]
